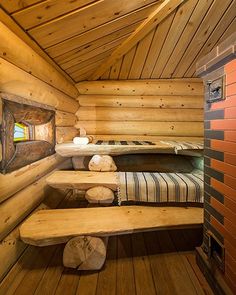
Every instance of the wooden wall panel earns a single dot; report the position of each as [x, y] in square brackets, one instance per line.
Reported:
[180, 40]
[171, 50]
[105, 30]
[96, 14]
[141, 108]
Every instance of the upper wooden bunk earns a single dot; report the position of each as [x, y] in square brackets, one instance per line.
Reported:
[114, 147]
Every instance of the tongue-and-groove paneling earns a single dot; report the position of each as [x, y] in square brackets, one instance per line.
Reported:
[172, 49]
[81, 35]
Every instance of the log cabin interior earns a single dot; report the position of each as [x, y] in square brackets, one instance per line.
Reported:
[118, 147]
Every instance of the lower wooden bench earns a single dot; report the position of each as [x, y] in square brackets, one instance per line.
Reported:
[86, 230]
[49, 227]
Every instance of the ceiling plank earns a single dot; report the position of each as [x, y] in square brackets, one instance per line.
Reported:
[47, 10]
[156, 46]
[207, 26]
[150, 23]
[186, 37]
[180, 21]
[82, 20]
[101, 31]
[95, 45]
[213, 39]
[12, 6]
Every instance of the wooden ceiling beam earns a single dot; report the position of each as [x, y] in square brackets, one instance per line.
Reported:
[150, 23]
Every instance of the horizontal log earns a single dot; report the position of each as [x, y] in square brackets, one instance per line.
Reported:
[16, 208]
[16, 81]
[144, 101]
[65, 119]
[11, 247]
[143, 87]
[139, 114]
[15, 181]
[143, 128]
[64, 134]
[28, 60]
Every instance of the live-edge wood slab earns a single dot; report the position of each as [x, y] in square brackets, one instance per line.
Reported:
[82, 180]
[70, 149]
[48, 227]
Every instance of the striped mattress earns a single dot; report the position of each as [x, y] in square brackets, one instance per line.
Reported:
[183, 145]
[154, 187]
[123, 142]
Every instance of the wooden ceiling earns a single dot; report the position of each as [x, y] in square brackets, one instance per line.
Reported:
[82, 35]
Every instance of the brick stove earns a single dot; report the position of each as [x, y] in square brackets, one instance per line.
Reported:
[217, 256]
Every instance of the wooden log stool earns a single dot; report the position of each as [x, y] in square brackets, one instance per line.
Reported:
[85, 253]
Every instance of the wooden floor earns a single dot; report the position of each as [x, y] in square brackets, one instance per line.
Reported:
[145, 263]
[161, 262]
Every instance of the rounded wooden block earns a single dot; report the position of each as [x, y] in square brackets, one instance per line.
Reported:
[102, 163]
[85, 253]
[100, 195]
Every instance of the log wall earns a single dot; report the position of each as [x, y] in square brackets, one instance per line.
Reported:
[141, 108]
[27, 75]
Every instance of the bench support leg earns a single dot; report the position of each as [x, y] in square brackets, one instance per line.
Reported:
[99, 195]
[103, 163]
[85, 253]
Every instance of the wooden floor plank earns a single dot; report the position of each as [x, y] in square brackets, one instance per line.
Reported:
[87, 283]
[191, 257]
[182, 246]
[68, 282]
[125, 271]
[159, 266]
[142, 269]
[160, 262]
[52, 275]
[176, 268]
[34, 274]
[106, 284]
[18, 271]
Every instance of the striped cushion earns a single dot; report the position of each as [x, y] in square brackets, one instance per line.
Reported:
[123, 142]
[160, 187]
[183, 145]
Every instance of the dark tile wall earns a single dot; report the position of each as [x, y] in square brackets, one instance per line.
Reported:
[220, 173]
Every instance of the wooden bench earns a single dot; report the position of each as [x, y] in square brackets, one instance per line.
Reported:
[49, 227]
[82, 180]
[70, 149]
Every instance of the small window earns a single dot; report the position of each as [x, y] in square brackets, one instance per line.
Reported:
[21, 132]
[27, 132]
